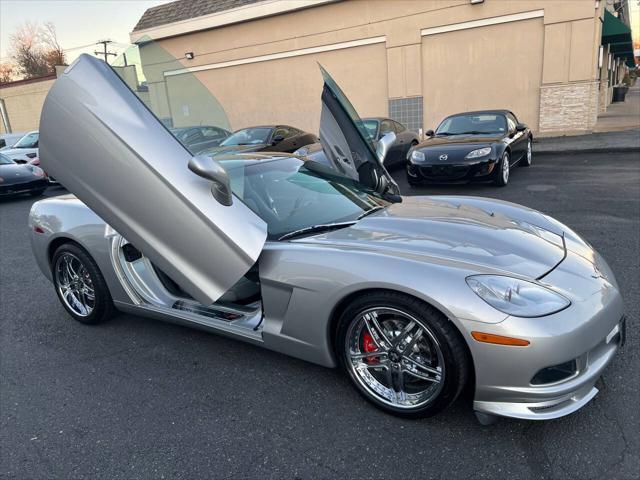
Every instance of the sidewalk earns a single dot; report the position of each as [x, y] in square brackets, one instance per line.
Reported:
[626, 141]
[617, 130]
[621, 115]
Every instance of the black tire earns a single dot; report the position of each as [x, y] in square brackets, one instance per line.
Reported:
[412, 182]
[527, 159]
[457, 365]
[501, 180]
[102, 308]
[37, 193]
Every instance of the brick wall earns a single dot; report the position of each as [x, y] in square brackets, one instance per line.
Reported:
[603, 95]
[569, 107]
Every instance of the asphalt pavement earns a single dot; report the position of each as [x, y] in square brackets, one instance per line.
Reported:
[138, 398]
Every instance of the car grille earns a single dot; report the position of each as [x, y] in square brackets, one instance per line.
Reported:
[22, 187]
[444, 172]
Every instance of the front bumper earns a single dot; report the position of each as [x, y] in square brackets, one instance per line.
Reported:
[589, 332]
[20, 188]
[480, 171]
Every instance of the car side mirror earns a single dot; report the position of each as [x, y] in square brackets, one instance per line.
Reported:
[384, 145]
[207, 167]
[429, 133]
[277, 140]
[521, 127]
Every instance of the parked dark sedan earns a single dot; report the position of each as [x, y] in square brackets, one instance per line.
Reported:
[197, 139]
[377, 127]
[17, 179]
[473, 146]
[272, 138]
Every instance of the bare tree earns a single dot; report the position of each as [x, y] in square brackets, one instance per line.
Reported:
[35, 50]
[27, 52]
[7, 71]
[54, 52]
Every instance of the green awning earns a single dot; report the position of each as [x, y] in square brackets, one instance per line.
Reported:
[618, 36]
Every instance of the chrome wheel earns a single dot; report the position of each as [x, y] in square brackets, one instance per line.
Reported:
[395, 357]
[505, 169]
[529, 153]
[74, 284]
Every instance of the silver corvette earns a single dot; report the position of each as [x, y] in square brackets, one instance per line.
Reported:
[415, 298]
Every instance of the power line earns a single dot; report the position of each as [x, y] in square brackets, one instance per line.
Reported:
[70, 49]
[104, 52]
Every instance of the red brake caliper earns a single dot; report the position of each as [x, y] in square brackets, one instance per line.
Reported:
[369, 346]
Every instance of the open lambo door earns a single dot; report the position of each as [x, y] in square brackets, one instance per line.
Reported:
[103, 143]
[348, 145]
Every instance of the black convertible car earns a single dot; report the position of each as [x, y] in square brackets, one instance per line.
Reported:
[272, 138]
[17, 179]
[473, 146]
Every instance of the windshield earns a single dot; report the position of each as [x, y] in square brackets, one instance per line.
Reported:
[30, 140]
[290, 194]
[371, 126]
[248, 136]
[5, 160]
[474, 124]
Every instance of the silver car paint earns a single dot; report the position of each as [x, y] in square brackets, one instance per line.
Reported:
[304, 282]
[141, 172]
[454, 231]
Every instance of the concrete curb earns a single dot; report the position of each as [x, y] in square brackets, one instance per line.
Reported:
[586, 150]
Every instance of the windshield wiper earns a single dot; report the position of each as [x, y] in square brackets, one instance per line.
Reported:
[371, 210]
[317, 229]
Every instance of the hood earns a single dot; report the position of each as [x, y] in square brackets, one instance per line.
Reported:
[12, 174]
[454, 148]
[460, 140]
[450, 229]
[18, 152]
[231, 149]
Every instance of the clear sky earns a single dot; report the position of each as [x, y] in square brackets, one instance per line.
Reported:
[78, 22]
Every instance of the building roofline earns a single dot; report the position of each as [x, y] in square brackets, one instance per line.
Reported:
[244, 13]
[27, 81]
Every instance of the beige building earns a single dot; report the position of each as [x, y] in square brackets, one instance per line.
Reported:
[21, 103]
[415, 61]
[552, 62]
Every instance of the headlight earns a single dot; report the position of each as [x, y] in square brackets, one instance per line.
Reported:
[417, 156]
[481, 152]
[517, 297]
[37, 171]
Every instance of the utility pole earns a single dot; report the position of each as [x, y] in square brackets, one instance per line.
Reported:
[104, 52]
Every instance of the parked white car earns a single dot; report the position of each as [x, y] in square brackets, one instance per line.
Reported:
[7, 140]
[25, 149]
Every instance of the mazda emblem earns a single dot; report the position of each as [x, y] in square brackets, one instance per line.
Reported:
[443, 157]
